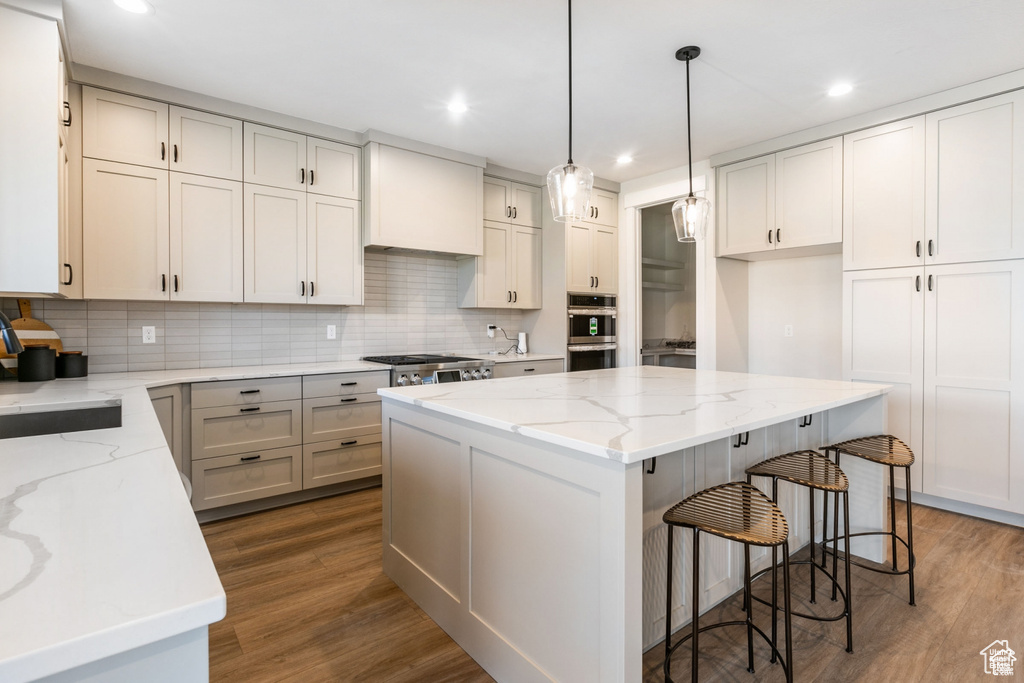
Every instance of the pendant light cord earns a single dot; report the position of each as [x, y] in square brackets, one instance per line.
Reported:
[570, 81]
[689, 147]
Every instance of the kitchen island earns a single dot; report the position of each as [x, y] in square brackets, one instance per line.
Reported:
[518, 515]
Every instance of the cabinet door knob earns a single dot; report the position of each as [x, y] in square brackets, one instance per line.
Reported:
[67, 107]
[163, 151]
[769, 237]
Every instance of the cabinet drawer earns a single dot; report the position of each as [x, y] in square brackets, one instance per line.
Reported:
[231, 429]
[525, 368]
[331, 462]
[245, 391]
[247, 476]
[344, 383]
[333, 418]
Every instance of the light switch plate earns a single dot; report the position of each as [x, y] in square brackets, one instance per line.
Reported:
[148, 334]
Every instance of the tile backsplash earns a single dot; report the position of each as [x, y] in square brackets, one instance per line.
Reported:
[410, 306]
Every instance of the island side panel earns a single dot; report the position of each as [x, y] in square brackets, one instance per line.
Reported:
[528, 555]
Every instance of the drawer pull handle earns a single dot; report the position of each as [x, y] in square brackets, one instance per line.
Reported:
[249, 458]
[528, 369]
[349, 384]
[353, 442]
[249, 391]
[249, 410]
[349, 400]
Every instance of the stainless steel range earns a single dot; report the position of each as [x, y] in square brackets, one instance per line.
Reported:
[407, 370]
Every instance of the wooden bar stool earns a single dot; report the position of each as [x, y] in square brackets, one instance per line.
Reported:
[738, 512]
[889, 451]
[816, 472]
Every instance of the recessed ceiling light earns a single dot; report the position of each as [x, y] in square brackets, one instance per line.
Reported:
[457, 107]
[840, 89]
[135, 6]
[624, 159]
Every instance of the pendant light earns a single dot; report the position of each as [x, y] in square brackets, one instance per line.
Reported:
[690, 214]
[569, 186]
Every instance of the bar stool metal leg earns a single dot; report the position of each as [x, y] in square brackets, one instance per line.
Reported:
[910, 535]
[746, 601]
[694, 626]
[787, 615]
[846, 535]
[668, 607]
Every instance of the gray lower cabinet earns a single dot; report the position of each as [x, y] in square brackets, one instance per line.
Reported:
[226, 430]
[243, 477]
[333, 462]
[523, 368]
[334, 417]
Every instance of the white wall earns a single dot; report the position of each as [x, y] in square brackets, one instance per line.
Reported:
[806, 293]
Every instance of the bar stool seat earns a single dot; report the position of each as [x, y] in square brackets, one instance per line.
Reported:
[816, 472]
[890, 451]
[738, 512]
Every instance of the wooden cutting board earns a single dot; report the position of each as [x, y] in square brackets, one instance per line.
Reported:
[31, 332]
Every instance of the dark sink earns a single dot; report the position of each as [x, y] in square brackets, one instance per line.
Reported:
[65, 419]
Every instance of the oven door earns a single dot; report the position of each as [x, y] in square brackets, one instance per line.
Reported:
[591, 325]
[590, 356]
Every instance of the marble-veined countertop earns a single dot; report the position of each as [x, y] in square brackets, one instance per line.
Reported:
[629, 414]
[100, 551]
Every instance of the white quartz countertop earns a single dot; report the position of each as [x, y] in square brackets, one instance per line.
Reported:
[629, 414]
[100, 551]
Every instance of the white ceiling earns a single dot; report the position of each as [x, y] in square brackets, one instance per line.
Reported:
[393, 65]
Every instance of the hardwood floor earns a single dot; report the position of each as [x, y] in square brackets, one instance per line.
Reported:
[308, 601]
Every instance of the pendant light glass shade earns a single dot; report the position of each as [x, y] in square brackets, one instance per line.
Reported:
[690, 215]
[569, 187]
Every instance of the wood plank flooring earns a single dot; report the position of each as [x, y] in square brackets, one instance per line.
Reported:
[308, 601]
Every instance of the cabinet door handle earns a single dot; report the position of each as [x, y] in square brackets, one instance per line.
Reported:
[918, 249]
[508, 212]
[592, 281]
[249, 391]
[742, 439]
[249, 458]
[515, 212]
[254, 409]
[917, 283]
[311, 177]
[528, 369]
[509, 294]
[175, 283]
[67, 107]
[303, 283]
[770, 236]
[931, 250]
[302, 176]
[349, 384]
[353, 442]
[71, 274]
[349, 400]
[654, 466]
[778, 236]
[515, 296]
[312, 287]
[930, 282]
[597, 281]
[597, 212]
[174, 153]
[163, 282]
[163, 151]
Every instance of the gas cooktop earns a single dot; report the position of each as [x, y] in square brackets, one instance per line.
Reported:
[420, 359]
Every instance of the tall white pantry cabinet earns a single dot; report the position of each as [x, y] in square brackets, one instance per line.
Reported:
[933, 292]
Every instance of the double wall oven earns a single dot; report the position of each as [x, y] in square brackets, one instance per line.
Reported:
[591, 332]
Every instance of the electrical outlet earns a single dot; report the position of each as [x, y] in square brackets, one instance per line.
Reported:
[148, 334]
[490, 331]
[332, 331]
[787, 331]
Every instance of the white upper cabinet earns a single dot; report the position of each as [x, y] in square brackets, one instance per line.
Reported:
[591, 259]
[974, 207]
[809, 195]
[124, 128]
[275, 245]
[509, 274]
[206, 239]
[275, 157]
[334, 168]
[125, 231]
[423, 202]
[334, 252]
[746, 206]
[509, 202]
[771, 205]
[205, 144]
[603, 208]
[883, 196]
